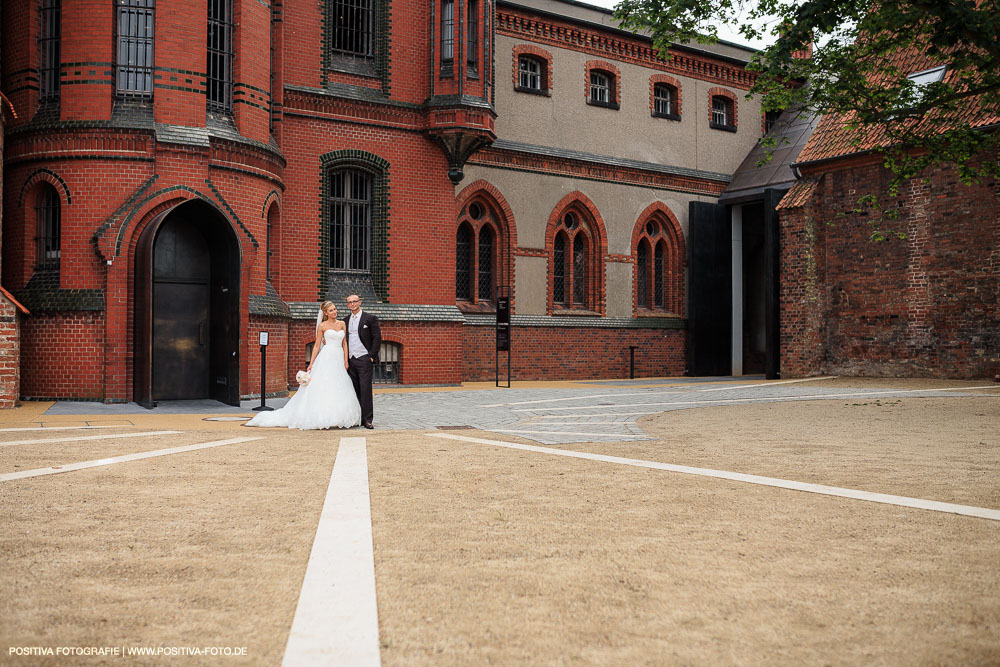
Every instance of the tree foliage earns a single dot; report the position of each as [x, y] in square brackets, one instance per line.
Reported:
[863, 53]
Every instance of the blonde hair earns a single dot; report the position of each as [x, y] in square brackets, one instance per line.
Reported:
[323, 306]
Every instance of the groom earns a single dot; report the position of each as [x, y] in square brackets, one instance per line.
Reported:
[363, 342]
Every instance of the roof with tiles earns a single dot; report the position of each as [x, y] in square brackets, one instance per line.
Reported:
[834, 138]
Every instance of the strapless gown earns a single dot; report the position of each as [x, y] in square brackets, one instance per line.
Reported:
[328, 401]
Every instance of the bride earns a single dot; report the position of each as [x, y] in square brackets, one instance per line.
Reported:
[328, 400]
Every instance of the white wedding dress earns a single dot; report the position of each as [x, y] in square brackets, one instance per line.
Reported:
[328, 400]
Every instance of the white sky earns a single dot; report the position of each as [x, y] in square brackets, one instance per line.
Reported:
[724, 32]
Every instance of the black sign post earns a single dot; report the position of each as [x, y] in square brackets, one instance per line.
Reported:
[263, 372]
[504, 333]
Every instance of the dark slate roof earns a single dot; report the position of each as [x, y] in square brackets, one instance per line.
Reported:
[749, 182]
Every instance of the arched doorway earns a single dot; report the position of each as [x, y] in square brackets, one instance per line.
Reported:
[187, 308]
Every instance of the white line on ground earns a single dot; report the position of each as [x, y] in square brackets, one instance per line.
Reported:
[64, 428]
[87, 437]
[69, 467]
[604, 414]
[336, 620]
[769, 384]
[767, 399]
[902, 501]
[576, 423]
[616, 436]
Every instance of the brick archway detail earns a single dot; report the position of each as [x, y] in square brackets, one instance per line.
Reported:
[50, 177]
[674, 236]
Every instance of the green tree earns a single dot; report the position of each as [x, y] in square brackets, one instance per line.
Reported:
[863, 55]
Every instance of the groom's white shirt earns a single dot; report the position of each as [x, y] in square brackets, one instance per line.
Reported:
[354, 345]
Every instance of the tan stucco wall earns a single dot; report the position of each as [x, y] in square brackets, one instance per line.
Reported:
[565, 120]
[619, 289]
[530, 290]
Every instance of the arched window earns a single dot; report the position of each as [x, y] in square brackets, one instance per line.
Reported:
[642, 272]
[272, 240]
[573, 268]
[478, 254]
[559, 269]
[463, 263]
[658, 274]
[665, 101]
[659, 257]
[350, 202]
[486, 268]
[47, 214]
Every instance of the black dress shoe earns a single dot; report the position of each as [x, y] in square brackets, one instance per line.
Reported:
[368, 425]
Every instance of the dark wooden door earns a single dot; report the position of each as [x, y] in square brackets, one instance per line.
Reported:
[181, 308]
[710, 301]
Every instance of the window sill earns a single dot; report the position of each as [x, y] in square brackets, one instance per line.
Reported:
[655, 312]
[606, 105]
[563, 311]
[532, 91]
[668, 116]
[481, 308]
[348, 65]
[724, 128]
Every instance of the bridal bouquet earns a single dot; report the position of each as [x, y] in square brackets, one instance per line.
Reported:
[302, 377]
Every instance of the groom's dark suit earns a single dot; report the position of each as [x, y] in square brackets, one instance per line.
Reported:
[360, 369]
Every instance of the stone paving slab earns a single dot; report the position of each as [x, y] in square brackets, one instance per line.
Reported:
[554, 414]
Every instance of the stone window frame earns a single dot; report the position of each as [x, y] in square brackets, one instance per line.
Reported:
[543, 58]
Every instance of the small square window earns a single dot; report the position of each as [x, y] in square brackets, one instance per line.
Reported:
[723, 117]
[529, 73]
[665, 101]
[600, 88]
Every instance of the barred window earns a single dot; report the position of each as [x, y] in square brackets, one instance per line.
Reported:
[49, 50]
[353, 27]
[600, 88]
[529, 73]
[472, 52]
[447, 33]
[49, 227]
[134, 55]
[485, 264]
[642, 274]
[463, 263]
[350, 202]
[559, 269]
[220, 55]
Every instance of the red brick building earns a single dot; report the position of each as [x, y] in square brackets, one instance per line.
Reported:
[182, 176]
[926, 301]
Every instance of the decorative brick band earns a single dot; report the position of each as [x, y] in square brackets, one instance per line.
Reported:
[638, 51]
[507, 158]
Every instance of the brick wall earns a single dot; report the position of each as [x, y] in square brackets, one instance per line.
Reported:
[62, 356]
[925, 305]
[598, 353]
[10, 354]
